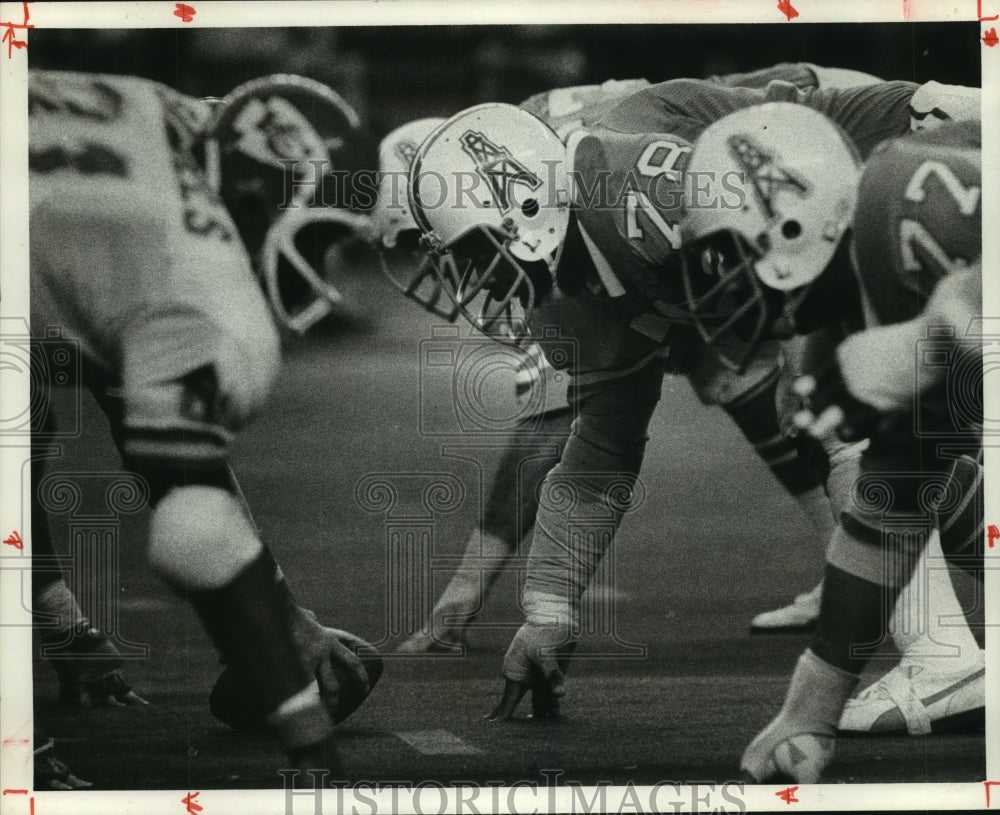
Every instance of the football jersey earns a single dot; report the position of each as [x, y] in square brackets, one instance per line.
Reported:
[685, 107]
[629, 188]
[568, 109]
[918, 217]
[629, 168]
[132, 253]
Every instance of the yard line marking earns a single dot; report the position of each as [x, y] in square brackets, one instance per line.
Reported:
[437, 743]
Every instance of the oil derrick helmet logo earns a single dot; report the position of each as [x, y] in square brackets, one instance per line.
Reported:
[405, 151]
[276, 131]
[497, 167]
[766, 176]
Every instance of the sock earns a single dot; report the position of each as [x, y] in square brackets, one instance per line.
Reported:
[55, 599]
[248, 620]
[962, 522]
[301, 721]
[816, 506]
[817, 693]
[756, 415]
[853, 615]
[484, 558]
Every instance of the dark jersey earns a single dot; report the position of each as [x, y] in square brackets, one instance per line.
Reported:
[629, 184]
[628, 169]
[919, 217]
[685, 107]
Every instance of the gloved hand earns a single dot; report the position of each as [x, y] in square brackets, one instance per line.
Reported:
[830, 407]
[536, 661]
[89, 671]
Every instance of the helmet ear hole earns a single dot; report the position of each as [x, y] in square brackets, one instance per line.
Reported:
[791, 229]
[530, 208]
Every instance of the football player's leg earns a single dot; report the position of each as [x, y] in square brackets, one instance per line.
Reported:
[175, 432]
[202, 544]
[942, 665]
[85, 660]
[961, 520]
[596, 478]
[596, 474]
[543, 396]
[866, 569]
[939, 684]
[751, 400]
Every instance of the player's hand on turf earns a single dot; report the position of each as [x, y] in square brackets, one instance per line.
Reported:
[107, 690]
[341, 648]
[52, 774]
[830, 408]
[90, 673]
[536, 662]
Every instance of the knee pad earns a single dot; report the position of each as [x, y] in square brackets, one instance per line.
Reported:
[200, 537]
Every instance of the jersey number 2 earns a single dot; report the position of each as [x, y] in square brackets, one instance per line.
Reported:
[914, 234]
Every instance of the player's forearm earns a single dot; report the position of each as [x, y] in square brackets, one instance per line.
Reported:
[578, 516]
[868, 114]
[584, 497]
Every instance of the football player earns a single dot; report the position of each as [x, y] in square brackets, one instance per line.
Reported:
[152, 219]
[893, 245]
[567, 110]
[584, 236]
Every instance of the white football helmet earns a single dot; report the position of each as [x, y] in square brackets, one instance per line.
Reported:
[490, 191]
[773, 191]
[396, 233]
[272, 145]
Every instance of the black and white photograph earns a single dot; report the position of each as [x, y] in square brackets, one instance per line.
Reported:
[414, 406]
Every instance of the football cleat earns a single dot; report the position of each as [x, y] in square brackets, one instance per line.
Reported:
[918, 700]
[234, 702]
[798, 616]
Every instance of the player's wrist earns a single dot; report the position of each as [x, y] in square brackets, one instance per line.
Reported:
[548, 609]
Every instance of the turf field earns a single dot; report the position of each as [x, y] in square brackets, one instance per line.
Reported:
[680, 690]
